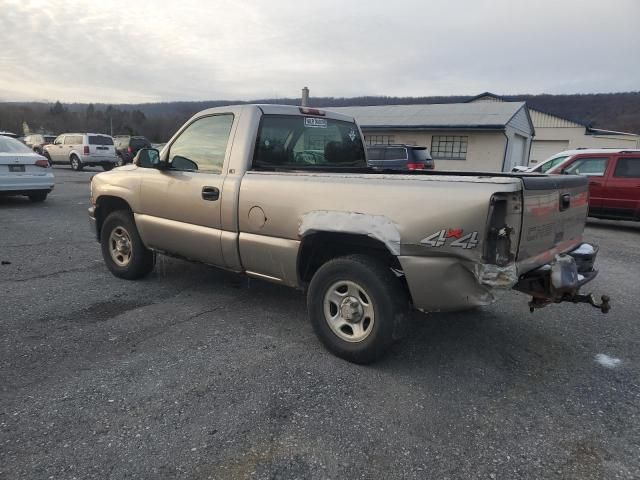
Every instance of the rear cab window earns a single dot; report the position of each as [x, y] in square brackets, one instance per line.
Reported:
[302, 142]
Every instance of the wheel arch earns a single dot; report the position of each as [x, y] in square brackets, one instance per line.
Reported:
[106, 204]
[319, 247]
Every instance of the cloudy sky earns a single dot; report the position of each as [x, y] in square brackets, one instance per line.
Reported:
[148, 51]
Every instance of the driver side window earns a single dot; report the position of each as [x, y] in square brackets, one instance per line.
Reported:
[202, 145]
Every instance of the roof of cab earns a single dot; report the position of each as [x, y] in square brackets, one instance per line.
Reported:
[272, 109]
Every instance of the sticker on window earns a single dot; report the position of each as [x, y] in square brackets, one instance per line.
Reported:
[353, 135]
[315, 122]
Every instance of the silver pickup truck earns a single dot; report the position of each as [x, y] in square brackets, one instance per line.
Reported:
[284, 194]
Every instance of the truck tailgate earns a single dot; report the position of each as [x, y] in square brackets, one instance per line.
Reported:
[554, 213]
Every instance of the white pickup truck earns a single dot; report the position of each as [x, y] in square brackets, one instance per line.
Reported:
[284, 194]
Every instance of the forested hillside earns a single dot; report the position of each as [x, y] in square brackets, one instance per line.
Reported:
[158, 121]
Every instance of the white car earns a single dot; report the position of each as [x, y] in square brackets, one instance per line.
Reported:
[23, 172]
[82, 150]
[561, 157]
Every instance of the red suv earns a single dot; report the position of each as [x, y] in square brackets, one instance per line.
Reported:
[614, 182]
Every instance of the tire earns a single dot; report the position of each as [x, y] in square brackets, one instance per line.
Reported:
[120, 161]
[76, 163]
[373, 307]
[107, 166]
[38, 197]
[122, 249]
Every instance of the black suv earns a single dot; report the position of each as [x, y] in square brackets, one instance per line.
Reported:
[400, 157]
[127, 146]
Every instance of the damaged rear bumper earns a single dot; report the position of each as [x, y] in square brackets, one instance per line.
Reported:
[449, 284]
[561, 280]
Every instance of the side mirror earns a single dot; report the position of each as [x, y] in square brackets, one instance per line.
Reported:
[148, 158]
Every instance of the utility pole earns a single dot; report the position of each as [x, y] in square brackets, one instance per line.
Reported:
[111, 123]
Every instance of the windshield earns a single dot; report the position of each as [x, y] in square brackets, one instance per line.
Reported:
[306, 142]
[545, 167]
[11, 145]
[100, 140]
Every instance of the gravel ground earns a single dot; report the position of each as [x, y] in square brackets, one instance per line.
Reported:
[197, 373]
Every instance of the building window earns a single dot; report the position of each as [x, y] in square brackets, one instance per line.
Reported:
[379, 139]
[449, 147]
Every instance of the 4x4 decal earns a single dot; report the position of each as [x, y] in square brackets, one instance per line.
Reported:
[440, 238]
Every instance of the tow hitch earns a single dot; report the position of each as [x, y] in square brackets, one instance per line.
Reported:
[561, 280]
[604, 306]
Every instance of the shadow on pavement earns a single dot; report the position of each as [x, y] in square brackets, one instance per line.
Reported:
[622, 225]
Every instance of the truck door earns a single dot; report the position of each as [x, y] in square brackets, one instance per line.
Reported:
[622, 189]
[594, 168]
[180, 206]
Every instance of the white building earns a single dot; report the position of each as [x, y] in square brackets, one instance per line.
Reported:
[490, 136]
[555, 134]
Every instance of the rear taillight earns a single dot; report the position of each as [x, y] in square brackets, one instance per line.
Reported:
[415, 166]
[497, 246]
[129, 149]
[86, 150]
[42, 163]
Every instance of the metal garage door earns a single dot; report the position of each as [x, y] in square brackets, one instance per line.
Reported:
[518, 153]
[543, 149]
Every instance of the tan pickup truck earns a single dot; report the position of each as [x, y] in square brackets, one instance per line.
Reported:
[284, 194]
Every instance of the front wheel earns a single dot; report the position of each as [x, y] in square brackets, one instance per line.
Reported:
[356, 305]
[122, 249]
[76, 164]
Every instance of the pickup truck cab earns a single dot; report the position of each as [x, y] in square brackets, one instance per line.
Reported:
[614, 181]
[284, 194]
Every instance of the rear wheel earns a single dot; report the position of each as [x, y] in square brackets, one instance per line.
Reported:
[76, 163]
[356, 305]
[38, 197]
[107, 166]
[122, 249]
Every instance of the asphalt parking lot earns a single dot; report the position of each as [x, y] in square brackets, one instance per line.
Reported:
[198, 373]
